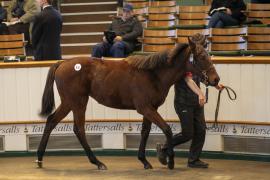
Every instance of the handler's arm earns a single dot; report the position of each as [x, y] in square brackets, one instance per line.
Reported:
[193, 86]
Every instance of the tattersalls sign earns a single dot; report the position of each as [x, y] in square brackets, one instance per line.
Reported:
[133, 127]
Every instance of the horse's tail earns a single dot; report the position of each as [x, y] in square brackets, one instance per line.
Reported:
[48, 104]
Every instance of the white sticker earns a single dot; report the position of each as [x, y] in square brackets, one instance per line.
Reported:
[77, 67]
[191, 60]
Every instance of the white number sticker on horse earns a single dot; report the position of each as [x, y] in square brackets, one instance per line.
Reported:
[77, 67]
[191, 59]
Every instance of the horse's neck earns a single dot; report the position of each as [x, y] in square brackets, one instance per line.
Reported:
[170, 75]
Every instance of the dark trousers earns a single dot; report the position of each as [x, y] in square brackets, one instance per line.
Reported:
[193, 128]
[221, 19]
[104, 49]
[3, 29]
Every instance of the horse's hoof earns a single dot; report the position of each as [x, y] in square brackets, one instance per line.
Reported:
[39, 163]
[148, 166]
[102, 167]
[171, 164]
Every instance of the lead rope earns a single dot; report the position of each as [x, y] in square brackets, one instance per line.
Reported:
[229, 90]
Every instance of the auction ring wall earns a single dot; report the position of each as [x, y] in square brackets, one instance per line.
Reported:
[244, 122]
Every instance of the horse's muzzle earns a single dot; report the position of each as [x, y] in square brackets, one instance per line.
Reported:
[216, 81]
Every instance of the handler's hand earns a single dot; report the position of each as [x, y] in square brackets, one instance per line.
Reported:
[202, 100]
[219, 87]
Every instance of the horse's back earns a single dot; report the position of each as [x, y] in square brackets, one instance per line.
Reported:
[92, 75]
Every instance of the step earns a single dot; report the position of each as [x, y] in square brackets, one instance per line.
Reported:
[70, 56]
[84, 28]
[85, 1]
[68, 50]
[81, 38]
[88, 8]
[87, 17]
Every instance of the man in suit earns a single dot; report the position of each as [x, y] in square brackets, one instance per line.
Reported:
[46, 33]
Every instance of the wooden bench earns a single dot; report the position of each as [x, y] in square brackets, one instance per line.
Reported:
[137, 3]
[155, 40]
[193, 15]
[160, 20]
[228, 39]
[259, 12]
[12, 45]
[183, 34]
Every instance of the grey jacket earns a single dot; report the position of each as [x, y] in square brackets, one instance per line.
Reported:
[30, 7]
[129, 30]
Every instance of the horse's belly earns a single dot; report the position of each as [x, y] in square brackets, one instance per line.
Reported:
[114, 102]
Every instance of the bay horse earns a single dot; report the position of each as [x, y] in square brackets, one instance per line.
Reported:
[139, 82]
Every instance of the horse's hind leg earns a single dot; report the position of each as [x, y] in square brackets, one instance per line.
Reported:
[79, 130]
[146, 127]
[52, 121]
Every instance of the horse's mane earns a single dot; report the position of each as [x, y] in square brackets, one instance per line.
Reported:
[155, 60]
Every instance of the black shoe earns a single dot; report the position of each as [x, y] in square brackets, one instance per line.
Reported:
[161, 154]
[198, 164]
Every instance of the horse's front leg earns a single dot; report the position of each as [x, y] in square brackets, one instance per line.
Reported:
[146, 127]
[79, 130]
[152, 115]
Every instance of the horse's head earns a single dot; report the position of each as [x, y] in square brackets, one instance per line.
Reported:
[202, 63]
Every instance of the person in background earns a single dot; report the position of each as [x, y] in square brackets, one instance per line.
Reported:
[226, 13]
[46, 33]
[127, 29]
[20, 16]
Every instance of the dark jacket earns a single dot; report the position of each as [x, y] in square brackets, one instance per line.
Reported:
[46, 35]
[236, 6]
[184, 95]
[129, 30]
[3, 14]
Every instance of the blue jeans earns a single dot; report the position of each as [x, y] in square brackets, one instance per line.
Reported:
[117, 50]
[221, 19]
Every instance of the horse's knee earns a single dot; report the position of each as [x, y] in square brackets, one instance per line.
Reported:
[75, 130]
[167, 130]
[145, 129]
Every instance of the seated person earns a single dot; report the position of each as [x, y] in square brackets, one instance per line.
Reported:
[230, 13]
[20, 14]
[127, 29]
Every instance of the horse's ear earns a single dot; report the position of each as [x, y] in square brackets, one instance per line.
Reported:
[191, 43]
